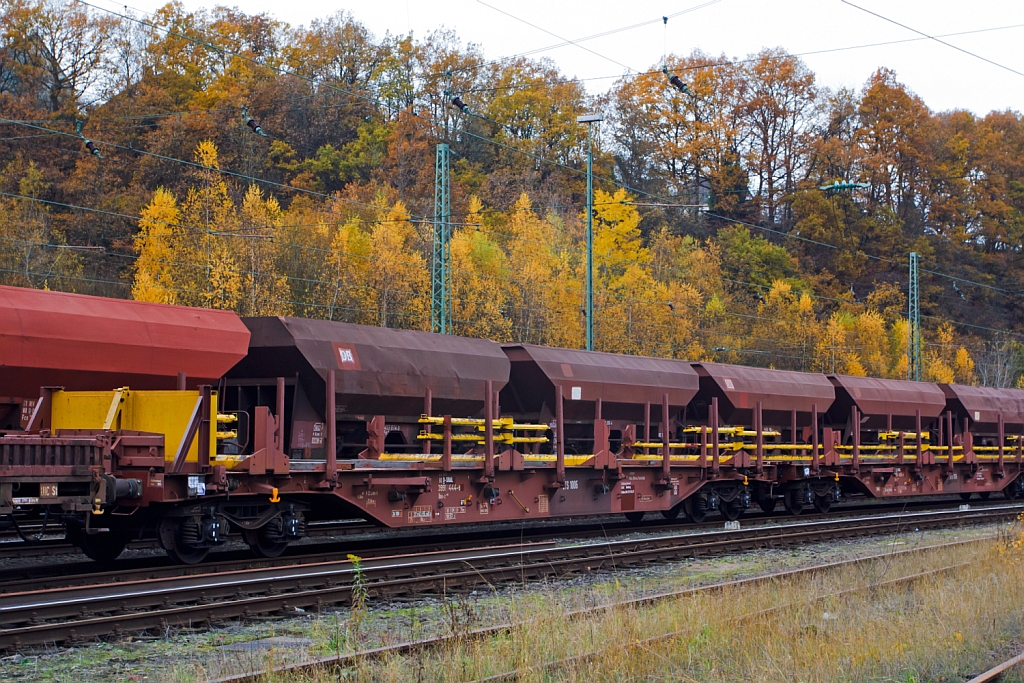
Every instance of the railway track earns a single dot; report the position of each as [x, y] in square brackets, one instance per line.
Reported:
[338, 663]
[997, 672]
[54, 575]
[99, 610]
[53, 541]
[12, 547]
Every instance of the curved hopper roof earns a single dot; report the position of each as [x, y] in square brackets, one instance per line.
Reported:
[379, 370]
[94, 343]
[780, 392]
[877, 398]
[623, 383]
[983, 405]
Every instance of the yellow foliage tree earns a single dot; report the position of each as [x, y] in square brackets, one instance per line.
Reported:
[948, 362]
[832, 354]
[346, 292]
[479, 272]
[398, 275]
[786, 327]
[32, 252]
[157, 246]
[206, 269]
[872, 341]
[899, 343]
[265, 290]
[545, 296]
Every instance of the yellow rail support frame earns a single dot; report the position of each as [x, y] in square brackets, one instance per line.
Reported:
[505, 423]
[157, 412]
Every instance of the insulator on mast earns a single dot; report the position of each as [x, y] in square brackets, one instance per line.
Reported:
[676, 82]
[251, 122]
[89, 144]
[460, 105]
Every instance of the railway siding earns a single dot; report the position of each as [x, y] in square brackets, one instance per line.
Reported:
[101, 610]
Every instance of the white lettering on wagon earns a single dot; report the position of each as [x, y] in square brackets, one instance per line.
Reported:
[420, 513]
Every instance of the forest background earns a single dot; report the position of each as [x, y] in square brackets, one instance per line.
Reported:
[132, 167]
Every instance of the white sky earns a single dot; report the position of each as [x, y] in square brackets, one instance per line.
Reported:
[944, 77]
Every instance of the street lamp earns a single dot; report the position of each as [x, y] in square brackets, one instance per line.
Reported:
[588, 119]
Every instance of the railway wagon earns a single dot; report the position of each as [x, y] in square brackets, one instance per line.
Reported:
[200, 424]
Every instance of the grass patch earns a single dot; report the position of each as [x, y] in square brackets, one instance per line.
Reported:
[944, 627]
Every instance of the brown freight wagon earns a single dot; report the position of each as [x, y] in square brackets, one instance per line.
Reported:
[304, 419]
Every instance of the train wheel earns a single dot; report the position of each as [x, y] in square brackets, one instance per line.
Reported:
[105, 547]
[262, 546]
[635, 517]
[731, 510]
[1012, 491]
[170, 532]
[767, 505]
[672, 513]
[965, 496]
[822, 503]
[697, 507]
[792, 503]
[984, 495]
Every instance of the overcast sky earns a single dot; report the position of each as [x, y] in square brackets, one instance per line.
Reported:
[945, 77]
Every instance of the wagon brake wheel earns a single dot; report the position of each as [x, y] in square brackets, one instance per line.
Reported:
[731, 510]
[104, 547]
[261, 545]
[793, 506]
[697, 507]
[169, 533]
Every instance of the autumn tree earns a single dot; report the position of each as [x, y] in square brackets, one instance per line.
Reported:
[776, 102]
[159, 242]
[33, 251]
[479, 277]
[397, 274]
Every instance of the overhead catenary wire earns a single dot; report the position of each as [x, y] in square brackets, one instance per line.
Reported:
[329, 251]
[566, 40]
[578, 289]
[940, 274]
[537, 157]
[428, 221]
[861, 254]
[361, 96]
[935, 38]
[193, 164]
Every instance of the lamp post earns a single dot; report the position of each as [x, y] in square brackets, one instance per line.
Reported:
[589, 119]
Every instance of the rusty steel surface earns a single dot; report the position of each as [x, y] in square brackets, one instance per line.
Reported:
[622, 383]
[90, 343]
[876, 398]
[780, 392]
[46, 616]
[984, 405]
[378, 370]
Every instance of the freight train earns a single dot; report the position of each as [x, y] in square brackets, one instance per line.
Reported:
[123, 420]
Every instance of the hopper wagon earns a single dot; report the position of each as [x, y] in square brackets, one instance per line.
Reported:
[122, 420]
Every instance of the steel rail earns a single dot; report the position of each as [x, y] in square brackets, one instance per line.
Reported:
[996, 672]
[587, 656]
[63, 575]
[46, 546]
[341, 661]
[51, 574]
[97, 611]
